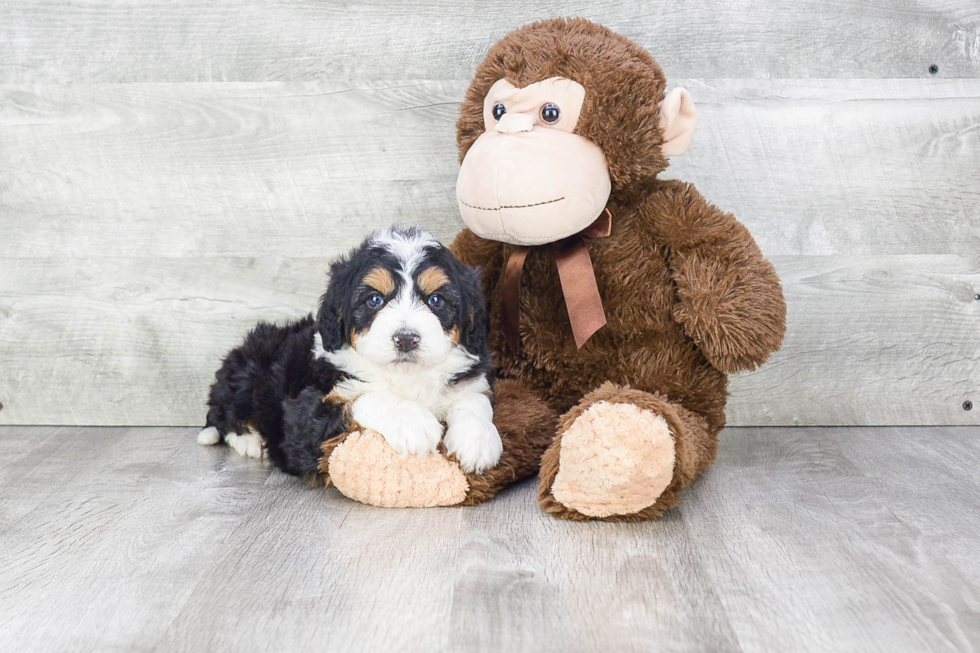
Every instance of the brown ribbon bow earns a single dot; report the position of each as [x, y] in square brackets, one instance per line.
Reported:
[577, 284]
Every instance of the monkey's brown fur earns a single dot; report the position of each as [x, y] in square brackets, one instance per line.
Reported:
[687, 294]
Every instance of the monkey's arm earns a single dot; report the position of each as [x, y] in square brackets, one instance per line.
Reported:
[730, 301]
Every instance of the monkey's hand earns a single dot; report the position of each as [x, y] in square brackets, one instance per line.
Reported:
[730, 301]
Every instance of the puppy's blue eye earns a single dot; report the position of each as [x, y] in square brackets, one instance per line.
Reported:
[498, 111]
[436, 301]
[375, 300]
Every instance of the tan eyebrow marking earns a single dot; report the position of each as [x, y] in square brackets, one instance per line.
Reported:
[380, 279]
[432, 279]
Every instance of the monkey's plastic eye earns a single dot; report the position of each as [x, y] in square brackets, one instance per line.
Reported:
[375, 300]
[436, 301]
[550, 113]
[499, 110]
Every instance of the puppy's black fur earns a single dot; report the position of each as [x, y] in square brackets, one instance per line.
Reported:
[274, 385]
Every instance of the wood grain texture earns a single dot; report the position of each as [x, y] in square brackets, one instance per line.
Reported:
[842, 166]
[795, 540]
[332, 579]
[871, 340]
[146, 225]
[586, 587]
[806, 552]
[200, 40]
[105, 533]
[134, 340]
[811, 167]
[935, 504]
[217, 169]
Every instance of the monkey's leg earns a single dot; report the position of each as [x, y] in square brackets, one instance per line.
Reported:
[623, 455]
[363, 467]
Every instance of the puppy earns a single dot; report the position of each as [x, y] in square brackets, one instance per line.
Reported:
[399, 345]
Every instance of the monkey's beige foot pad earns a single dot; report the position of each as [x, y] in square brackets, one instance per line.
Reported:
[364, 468]
[615, 459]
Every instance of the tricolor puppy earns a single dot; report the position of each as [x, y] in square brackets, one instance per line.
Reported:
[399, 345]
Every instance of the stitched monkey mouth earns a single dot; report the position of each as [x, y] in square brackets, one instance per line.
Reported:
[512, 206]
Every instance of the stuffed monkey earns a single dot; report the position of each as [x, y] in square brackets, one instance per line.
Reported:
[621, 300]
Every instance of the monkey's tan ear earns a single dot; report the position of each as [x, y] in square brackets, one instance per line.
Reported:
[678, 118]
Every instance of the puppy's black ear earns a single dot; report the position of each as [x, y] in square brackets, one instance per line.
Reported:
[474, 322]
[330, 317]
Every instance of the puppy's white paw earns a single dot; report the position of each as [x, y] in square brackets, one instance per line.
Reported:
[248, 445]
[410, 429]
[208, 436]
[475, 442]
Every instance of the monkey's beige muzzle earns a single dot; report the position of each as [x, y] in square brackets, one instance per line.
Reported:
[528, 185]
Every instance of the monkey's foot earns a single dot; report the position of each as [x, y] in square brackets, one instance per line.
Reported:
[364, 467]
[614, 460]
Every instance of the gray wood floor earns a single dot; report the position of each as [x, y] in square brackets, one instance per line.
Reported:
[798, 539]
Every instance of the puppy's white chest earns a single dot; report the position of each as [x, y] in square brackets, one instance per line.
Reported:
[429, 387]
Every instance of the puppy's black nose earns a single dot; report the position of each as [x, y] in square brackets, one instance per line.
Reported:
[406, 341]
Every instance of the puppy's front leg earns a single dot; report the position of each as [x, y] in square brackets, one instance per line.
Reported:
[470, 432]
[407, 426]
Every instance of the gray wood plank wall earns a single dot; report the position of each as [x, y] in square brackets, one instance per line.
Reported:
[171, 172]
